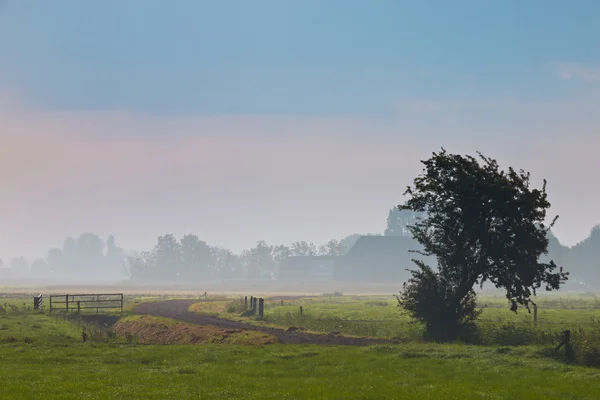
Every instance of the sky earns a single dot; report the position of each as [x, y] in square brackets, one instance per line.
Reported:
[278, 120]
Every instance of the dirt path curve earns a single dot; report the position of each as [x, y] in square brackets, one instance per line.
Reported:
[178, 309]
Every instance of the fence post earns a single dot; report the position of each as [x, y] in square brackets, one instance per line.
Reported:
[246, 302]
[300, 310]
[535, 315]
[121, 303]
[38, 302]
[67, 303]
[568, 348]
[566, 341]
[254, 306]
[50, 304]
[78, 307]
[261, 308]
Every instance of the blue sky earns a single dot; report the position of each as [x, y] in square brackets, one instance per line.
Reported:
[140, 117]
[283, 57]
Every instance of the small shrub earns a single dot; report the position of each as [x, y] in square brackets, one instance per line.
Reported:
[236, 306]
[377, 303]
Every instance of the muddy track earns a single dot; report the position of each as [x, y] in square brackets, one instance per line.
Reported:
[178, 309]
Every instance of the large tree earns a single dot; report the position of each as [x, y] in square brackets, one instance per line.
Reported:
[481, 224]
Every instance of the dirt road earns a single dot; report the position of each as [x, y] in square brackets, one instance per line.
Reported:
[178, 309]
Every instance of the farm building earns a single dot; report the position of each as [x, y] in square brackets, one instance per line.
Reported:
[307, 268]
[371, 259]
[377, 259]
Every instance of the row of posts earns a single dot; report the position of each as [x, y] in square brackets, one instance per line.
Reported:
[257, 305]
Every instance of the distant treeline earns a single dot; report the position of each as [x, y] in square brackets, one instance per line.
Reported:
[172, 259]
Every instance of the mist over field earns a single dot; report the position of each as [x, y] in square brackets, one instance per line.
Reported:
[202, 145]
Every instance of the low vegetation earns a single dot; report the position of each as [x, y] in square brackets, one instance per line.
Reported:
[155, 330]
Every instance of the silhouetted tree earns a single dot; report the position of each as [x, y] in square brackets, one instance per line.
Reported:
[481, 224]
[39, 268]
[332, 248]
[303, 248]
[90, 252]
[226, 263]
[399, 220]
[55, 260]
[167, 256]
[196, 256]
[114, 254]
[19, 267]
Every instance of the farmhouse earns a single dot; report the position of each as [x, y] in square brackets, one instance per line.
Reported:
[371, 259]
[307, 268]
[377, 259]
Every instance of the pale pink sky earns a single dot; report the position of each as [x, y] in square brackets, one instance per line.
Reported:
[234, 180]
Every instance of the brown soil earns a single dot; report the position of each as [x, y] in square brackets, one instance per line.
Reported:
[152, 330]
[178, 309]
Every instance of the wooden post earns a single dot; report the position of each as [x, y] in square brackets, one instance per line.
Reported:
[254, 306]
[246, 302]
[67, 303]
[535, 315]
[261, 308]
[300, 310]
[78, 307]
[568, 348]
[50, 304]
[121, 303]
[566, 341]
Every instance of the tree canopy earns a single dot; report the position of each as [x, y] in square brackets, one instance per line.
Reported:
[481, 224]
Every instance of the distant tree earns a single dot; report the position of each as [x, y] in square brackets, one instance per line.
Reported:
[136, 267]
[226, 263]
[70, 260]
[90, 251]
[280, 252]
[114, 254]
[54, 260]
[196, 256]
[398, 222]
[584, 258]
[167, 256]
[482, 224]
[332, 248]
[19, 266]
[303, 248]
[39, 268]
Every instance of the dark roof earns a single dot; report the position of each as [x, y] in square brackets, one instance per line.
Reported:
[382, 246]
[303, 261]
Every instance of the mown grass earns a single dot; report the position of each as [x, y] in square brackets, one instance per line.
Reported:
[78, 371]
[55, 364]
[379, 316]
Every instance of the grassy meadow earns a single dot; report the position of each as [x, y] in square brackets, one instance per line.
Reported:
[379, 316]
[43, 356]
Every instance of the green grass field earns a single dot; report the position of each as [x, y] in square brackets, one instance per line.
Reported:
[43, 356]
[379, 316]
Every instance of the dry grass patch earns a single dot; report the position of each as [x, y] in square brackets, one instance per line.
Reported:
[155, 330]
[208, 307]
